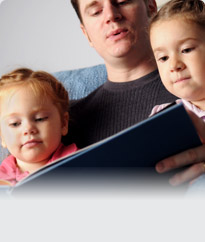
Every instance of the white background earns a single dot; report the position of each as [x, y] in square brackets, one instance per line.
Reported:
[43, 34]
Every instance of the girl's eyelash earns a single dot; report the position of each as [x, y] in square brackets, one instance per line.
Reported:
[187, 50]
[15, 124]
[162, 59]
[41, 119]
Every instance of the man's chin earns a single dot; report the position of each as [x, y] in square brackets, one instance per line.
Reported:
[121, 51]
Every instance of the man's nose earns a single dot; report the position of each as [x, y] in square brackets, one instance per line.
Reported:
[176, 65]
[112, 13]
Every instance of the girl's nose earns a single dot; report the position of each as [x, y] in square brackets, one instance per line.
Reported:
[29, 128]
[176, 65]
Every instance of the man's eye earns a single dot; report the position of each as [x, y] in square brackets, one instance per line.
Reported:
[41, 119]
[163, 59]
[96, 12]
[187, 50]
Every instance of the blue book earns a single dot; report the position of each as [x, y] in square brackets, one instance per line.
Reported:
[139, 146]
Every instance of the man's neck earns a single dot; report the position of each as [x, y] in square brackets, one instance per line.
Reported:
[124, 70]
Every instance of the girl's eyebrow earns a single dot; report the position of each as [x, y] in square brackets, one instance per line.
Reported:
[158, 49]
[11, 115]
[19, 114]
[180, 42]
[187, 39]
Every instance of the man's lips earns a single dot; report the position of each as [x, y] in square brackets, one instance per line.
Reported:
[117, 33]
[31, 143]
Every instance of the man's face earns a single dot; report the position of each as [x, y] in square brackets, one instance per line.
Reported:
[116, 28]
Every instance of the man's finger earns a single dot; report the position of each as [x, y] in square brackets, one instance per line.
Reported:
[188, 174]
[188, 157]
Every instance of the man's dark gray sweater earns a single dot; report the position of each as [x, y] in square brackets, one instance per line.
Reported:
[113, 107]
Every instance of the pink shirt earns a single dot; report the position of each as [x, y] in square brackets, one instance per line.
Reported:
[200, 113]
[9, 170]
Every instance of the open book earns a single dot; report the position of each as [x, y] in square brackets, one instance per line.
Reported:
[142, 145]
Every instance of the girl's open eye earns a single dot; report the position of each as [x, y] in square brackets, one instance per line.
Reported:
[163, 58]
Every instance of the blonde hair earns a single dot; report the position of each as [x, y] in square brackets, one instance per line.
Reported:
[190, 10]
[41, 83]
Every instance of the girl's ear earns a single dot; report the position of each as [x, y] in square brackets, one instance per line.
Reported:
[3, 143]
[65, 120]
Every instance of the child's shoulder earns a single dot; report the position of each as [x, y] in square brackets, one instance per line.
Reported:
[8, 171]
[8, 165]
[9, 160]
[158, 108]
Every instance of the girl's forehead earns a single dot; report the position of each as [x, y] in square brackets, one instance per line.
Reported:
[22, 89]
[24, 103]
[22, 95]
[186, 25]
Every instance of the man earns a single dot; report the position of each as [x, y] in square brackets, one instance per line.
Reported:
[118, 31]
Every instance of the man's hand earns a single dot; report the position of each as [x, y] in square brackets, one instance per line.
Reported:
[194, 157]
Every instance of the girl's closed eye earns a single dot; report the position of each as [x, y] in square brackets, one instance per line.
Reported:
[41, 119]
[14, 124]
[188, 50]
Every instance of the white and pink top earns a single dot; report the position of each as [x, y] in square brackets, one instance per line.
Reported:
[200, 113]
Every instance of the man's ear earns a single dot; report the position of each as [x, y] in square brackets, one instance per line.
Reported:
[151, 7]
[86, 34]
[65, 121]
